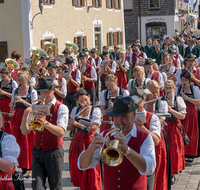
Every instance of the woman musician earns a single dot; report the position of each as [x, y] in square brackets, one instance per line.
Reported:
[121, 69]
[7, 84]
[87, 179]
[106, 101]
[22, 97]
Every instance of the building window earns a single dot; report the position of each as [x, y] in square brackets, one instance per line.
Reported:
[48, 2]
[80, 41]
[3, 51]
[154, 4]
[117, 4]
[110, 4]
[55, 41]
[110, 39]
[78, 3]
[119, 38]
[1, 1]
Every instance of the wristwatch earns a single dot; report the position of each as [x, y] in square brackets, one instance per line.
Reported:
[47, 124]
[127, 151]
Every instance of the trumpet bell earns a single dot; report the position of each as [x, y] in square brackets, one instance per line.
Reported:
[71, 45]
[37, 51]
[12, 64]
[36, 126]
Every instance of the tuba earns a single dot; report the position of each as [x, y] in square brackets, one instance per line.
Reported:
[36, 54]
[111, 156]
[50, 47]
[35, 124]
[11, 64]
[72, 46]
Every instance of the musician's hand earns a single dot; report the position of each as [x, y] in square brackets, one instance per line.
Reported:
[84, 78]
[72, 122]
[122, 142]
[27, 111]
[11, 104]
[110, 104]
[70, 77]
[102, 66]
[18, 99]
[192, 76]
[42, 117]
[97, 142]
[176, 69]
[138, 123]
[184, 97]
[2, 92]
[169, 109]
[169, 75]
[140, 57]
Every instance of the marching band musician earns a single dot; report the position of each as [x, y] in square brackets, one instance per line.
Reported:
[116, 53]
[149, 48]
[139, 78]
[48, 151]
[89, 179]
[109, 67]
[135, 144]
[7, 84]
[60, 91]
[121, 69]
[106, 101]
[22, 97]
[191, 96]
[176, 62]
[67, 52]
[154, 75]
[128, 55]
[157, 54]
[98, 61]
[177, 108]
[189, 65]
[90, 60]
[136, 54]
[89, 76]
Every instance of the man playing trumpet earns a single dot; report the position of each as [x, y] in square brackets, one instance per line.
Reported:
[136, 145]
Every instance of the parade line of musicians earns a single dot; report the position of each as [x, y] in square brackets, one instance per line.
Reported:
[150, 95]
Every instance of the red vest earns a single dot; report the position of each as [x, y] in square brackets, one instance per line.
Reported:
[134, 57]
[176, 56]
[56, 95]
[45, 139]
[87, 73]
[14, 74]
[126, 176]
[96, 60]
[175, 62]
[196, 74]
[89, 60]
[110, 66]
[70, 87]
[155, 77]
[148, 119]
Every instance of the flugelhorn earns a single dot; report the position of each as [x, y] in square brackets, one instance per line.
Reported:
[111, 155]
[35, 124]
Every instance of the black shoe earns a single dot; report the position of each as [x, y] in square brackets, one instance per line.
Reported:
[189, 160]
[25, 171]
[173, 180]
[72, 133]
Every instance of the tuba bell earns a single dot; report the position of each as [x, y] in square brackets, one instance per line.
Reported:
[71, 46]
[11, 64]
[35, 124]
[111, 155]
[50, 47]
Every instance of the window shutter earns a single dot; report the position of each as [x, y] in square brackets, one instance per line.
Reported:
[3, 51]
[121, 36]
[93, 3]
[84, 41]
[100, 3]
[119, 4]
[73, 2]
[82, 3]
[107, 4]
[1, 1]
[55, 41]
[52, 1]
[76, 42]
[42, 44]
[108, 39]
[115, 38]
[113, 3]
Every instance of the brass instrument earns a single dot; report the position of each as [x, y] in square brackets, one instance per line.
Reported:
[72, 46]
[11, 64]
[35, 124]
[111, 156]
[105, 72]
[50, 47]
[117, 65]
[36, 54]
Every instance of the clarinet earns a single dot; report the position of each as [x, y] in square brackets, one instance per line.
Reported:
[167, 95]
[10, 114]
[183, 90]
[110, 118]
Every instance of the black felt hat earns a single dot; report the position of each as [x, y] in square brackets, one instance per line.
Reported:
[93, 50]
[85, 49]
[149, 61]
[121, 106]
[82, 54]
[45, 57]
[171, 50]
[46, 84]
[51, 64]
[190, 56]
[105, 52]
[178, 39]
[66, 51]
[69, 60]
[135, 44]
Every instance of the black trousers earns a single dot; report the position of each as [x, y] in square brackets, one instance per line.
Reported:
[103, 86]
[91, 92]
[97, 87]
[48, 164]
[70, 101]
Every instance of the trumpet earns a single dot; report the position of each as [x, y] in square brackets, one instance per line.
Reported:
[111, 155]
[35, 124]
[117, 66]
[105, 72]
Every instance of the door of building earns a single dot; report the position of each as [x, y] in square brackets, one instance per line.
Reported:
[97, 39]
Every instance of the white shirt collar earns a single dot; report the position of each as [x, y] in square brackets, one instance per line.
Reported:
[53, 102]
[192, 70]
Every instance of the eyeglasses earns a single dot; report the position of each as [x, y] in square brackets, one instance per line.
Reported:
[109, 85]
[168, 88]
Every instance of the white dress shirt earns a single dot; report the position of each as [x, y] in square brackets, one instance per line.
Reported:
[147, 151]
[99, 61]
[77, 77]
[164, 76]
[170, 69]
[75, 62]
[137, 55]
[93, 62]
[92, 72]
[125, 64]
[144, 83]
[196, 92]
[113, 68]
[102, 96]
[64, 85]
[160, 78]
[10, 149]
[34, 95]
[32, 81]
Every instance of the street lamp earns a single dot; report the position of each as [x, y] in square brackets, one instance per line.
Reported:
[41, 9]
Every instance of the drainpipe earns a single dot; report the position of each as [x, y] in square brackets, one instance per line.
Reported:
[140, 19]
